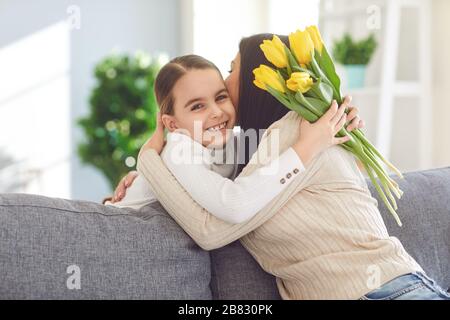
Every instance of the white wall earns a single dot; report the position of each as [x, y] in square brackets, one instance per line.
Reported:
[441, 82]
[151, 25]
[405, 153]
[218, 26]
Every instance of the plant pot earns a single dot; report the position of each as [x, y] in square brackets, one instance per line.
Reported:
[356, 75]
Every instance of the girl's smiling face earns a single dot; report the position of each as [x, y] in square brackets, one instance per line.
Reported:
[202, 108]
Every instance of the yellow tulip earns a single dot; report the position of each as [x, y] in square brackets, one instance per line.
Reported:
[314, 33]
[259, 84]
[300, 81]
[275, 52]
[265, 76]
[302, 46]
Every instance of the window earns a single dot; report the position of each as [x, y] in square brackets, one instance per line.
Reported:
[35, 113]
[218, 26]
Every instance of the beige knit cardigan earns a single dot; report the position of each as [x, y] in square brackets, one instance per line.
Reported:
[322, 238]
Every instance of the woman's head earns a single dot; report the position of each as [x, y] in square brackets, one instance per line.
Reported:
[193, 100]
[256, 108]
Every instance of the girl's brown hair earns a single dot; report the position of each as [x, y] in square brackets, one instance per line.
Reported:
[171, 73]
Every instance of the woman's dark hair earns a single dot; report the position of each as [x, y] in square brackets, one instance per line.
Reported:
[171, 73]
[257, 108]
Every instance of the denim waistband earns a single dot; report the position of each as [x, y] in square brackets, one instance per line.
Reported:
[404, 284]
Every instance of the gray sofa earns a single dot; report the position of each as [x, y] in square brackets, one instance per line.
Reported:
[59, 249]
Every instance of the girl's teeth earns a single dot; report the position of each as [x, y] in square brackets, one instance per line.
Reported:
[221, 126]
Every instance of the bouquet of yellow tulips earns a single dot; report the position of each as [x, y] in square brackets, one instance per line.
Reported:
[305, 81]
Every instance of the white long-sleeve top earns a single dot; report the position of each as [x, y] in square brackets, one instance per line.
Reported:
[206, 174]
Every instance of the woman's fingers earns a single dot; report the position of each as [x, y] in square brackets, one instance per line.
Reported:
[341, 140]
[334, 113]
[347, 100]
[353, 119]
[120, 190]
[361, 124]
[124, 183]
[331, 112]
[159, 122]
[345, 104]
[352, 113]
[340, 124]
[130, 178]
[353, 124]
[338, 116]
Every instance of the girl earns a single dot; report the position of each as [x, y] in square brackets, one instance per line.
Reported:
[200, 116]
[323, 237]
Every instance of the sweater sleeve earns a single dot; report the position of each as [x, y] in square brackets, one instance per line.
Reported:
[208, 231]
[236, 201]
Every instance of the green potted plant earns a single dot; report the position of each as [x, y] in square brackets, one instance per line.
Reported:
[355, 56]
[122, 113]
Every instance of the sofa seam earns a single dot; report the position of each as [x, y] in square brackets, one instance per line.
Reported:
[81, 212]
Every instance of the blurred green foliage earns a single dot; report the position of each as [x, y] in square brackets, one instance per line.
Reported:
[346, 51]
[122, 113]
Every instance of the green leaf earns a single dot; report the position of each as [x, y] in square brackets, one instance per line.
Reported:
[347, 51]
[327, 65]
[301, 109]
[322, 91]
[319, 104]
[310, 107]
[277, 95]
[291, 59]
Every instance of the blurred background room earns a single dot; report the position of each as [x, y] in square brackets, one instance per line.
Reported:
[76, 76]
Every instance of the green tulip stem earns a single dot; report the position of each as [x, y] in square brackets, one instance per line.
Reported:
[300, 69]
[382, 174]
[367, 143]
[396, 188]
[382, 195]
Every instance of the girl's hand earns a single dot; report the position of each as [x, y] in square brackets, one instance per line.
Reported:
[353, 120]
[316, 137]
[156, 141]
[124, 183]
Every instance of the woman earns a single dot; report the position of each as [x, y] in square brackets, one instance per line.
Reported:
[324, 236]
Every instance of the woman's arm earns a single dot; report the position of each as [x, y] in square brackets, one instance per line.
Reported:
[233, 201]
[208, 231]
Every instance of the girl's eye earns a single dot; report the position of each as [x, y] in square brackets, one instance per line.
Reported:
[196, 107]
[222, 97]
[230, 71]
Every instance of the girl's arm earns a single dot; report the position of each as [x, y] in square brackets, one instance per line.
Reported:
[208, 231]
[233, 201]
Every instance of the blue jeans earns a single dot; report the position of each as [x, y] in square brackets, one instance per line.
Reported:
[412, 286]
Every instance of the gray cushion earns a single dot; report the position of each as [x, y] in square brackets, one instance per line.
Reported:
[425, 213]
[121, 253]
[237, 276]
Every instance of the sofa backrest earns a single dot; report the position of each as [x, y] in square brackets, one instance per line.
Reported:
[59, 249]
